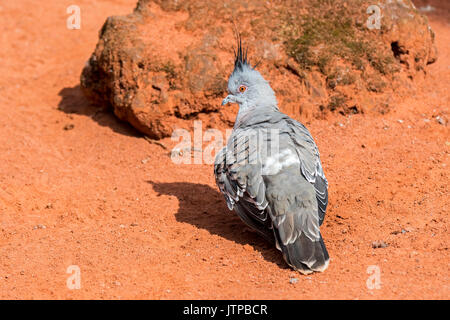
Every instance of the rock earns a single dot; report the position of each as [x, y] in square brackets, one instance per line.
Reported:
[405, 28]
[293, 280]
[69, 126]
[441, 120]
[379, 244]
[166, 64]
[402, 231]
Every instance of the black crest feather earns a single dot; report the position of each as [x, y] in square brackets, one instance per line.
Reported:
[240, 55]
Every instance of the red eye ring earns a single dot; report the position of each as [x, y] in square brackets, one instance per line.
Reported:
[242, 89]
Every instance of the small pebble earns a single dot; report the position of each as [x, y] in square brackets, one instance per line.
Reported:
[440, 120]
[379, 244]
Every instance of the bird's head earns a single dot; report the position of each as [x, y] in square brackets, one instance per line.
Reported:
[246, 86]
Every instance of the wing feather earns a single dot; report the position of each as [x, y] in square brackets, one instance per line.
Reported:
[310, 164]
[238, 175]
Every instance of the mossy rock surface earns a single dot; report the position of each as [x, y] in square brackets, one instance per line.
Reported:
[167, 63]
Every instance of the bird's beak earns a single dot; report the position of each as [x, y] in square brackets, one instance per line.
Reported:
[229, 99]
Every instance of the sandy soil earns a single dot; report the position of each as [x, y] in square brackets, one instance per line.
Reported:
[80, 188]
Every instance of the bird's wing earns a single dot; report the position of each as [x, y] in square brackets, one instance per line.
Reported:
[310, 164]
[293, 209]
[293, 206]
[237, 171]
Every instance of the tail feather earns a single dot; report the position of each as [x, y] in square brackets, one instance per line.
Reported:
[305, 255]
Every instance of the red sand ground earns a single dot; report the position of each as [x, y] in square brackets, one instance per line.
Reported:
[101, 197]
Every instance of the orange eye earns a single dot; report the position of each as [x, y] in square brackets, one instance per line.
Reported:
[242, 89]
